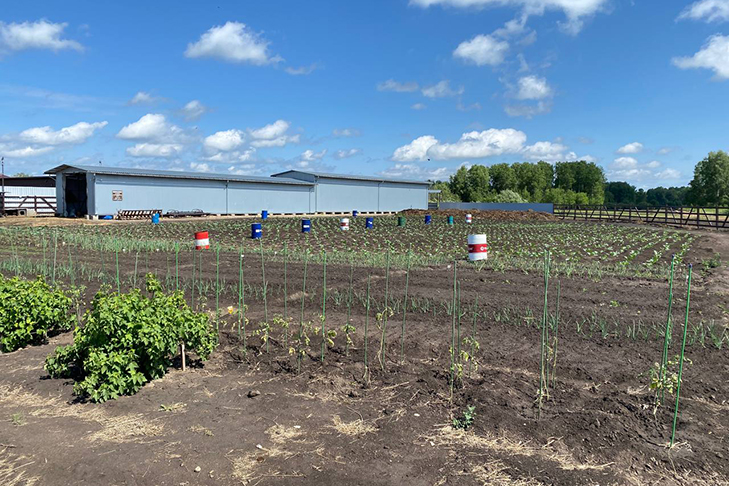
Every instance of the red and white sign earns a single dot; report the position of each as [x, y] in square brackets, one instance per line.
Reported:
[202, 240]
[478, 248]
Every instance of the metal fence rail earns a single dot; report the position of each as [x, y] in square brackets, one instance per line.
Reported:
[45, 205]
[700, 217]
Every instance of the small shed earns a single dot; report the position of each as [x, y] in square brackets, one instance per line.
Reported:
[341, 192]
[28, 195]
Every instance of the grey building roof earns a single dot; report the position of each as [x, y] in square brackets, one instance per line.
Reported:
[327, 175]
[172, 174]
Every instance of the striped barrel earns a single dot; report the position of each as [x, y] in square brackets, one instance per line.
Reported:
[306, 226]
[477, 248]
[256, 231]
[344, 224]
[202, 240]
[369, 223]
[469, 219]
[428, 219]
[264, 214]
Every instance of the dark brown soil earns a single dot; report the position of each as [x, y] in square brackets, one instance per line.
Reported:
[248, 416]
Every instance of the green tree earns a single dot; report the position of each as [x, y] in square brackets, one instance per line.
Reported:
[478, 183]
[459, 183]
[503, 177]
[710, 185]
[619, 193]
[581, 176]
[508, 196]
[446, 195]
[22, 174]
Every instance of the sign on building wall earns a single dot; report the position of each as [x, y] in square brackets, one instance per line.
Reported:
[117, 196]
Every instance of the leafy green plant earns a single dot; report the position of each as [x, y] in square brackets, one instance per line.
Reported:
[465, 421]
[665, 378]
[29, 311]
[128, 340]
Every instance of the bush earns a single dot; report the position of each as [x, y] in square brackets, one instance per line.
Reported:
[128, 340]
[508, 196]
[29, 311]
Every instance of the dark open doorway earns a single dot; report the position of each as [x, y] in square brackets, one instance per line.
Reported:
[75, 196]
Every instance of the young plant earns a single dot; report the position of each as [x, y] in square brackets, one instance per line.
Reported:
[682, 359]
[465, 421]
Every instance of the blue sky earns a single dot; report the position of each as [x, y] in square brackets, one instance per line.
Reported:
[402, 88]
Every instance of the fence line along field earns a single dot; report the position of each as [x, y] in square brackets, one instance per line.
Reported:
[577, 353]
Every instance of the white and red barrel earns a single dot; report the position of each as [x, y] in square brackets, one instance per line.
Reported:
[478, 249]
[202, 240]
[344, 224]
[469, 219]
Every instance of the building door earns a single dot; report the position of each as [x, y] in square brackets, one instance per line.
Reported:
[75, 196]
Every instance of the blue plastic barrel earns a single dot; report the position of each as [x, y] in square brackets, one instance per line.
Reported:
[450, 220]
[264, 214]
[355, 213]
[256, 231]
[370, 223]
[306, 226]
[428, 219]
[155, 218]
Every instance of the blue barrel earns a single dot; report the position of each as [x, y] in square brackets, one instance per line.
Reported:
[355, 213]
[428, 219]
[450, 220]
[256, 231]
[370, 223]
[264, 214]
[155, 218]
[306, 226]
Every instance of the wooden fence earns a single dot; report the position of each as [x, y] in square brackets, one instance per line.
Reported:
[42, 205]
[699, 217]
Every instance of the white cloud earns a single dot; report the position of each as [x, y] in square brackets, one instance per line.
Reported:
[194, 110]
[418, 106]
[35, 35]
[668, 174]
[144, 98]
[707, 10]
[245, 169]
[75, 134]
[276, 142]
[273, 135]
[200, 167]
[574, 10]
[482, 50]
[441, 90]
[631, 148]
[625, 163]
[527, 110]
[301, 71]
[665, 150]
[533, 88]
[232, 42]
[345, 154]
[392, 85]
[224, 141]
[653, 164]
[311, 156]
[548, 152]
[154, 150]
[714, 55]
[471, 145]
[27, 152]
[413, 171]
[151, 127]
[634, 174]
[346, 132]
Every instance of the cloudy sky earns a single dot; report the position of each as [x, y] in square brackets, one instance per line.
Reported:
[401, 88]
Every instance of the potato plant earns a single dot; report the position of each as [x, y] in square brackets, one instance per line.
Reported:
[128, 340]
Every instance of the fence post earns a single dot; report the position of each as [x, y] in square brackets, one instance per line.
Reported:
[716, 215]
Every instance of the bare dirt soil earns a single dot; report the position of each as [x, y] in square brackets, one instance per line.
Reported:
[248, 416]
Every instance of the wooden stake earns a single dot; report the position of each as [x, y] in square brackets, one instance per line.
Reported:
[182, 352]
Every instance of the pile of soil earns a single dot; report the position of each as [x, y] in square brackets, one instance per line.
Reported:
[490, 215]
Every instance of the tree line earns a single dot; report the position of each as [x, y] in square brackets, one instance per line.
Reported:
[581, 182]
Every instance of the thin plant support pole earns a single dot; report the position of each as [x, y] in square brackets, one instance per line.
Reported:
[301, 316]
[136, 262]
[385, 313]
[55, 254]
[43, 270]
[556, 336]
[194, 264]
[200, 278]
[453, 326]
[240, 289]
[217, 288]
[367, 324]
[683, 350]
[70, 267]
[118, 283]
[349, 307]
[243, 299]
[458, 323]
[668, 332]
[265, 289]
[177, 266]
[405, 310]
[286, 289]
[324, 312]
[542, 384]
[473, 337]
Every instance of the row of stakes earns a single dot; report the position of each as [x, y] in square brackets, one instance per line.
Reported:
[477, 244]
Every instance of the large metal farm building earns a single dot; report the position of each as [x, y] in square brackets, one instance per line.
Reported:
[97, 190]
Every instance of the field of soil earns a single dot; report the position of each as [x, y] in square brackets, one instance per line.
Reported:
[248, 416]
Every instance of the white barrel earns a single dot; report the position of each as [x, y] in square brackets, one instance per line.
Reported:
[477, 248]
[344, 224]
[469, 219]
[202, 241]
